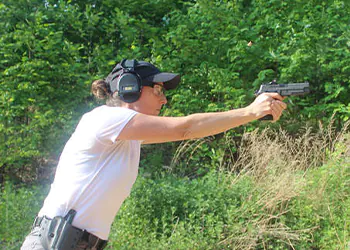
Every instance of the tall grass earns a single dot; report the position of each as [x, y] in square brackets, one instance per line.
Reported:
[282, 167]
[260, 151]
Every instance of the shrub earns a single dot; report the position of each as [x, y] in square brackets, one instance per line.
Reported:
[18, 208]
[173, 213]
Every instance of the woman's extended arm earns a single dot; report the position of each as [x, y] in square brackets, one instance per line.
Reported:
[153, 129]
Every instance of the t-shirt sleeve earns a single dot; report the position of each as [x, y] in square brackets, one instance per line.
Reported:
[112, 122]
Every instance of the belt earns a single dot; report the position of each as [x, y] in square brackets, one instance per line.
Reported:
[93, 241]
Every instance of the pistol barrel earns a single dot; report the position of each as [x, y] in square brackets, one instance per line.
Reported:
[288, 89]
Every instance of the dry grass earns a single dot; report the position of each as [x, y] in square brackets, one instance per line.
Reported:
[260, 151]
[277, 162]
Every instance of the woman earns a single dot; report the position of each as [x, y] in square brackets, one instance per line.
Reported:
[99, 163]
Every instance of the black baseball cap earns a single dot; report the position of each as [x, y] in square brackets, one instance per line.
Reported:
[148, 73]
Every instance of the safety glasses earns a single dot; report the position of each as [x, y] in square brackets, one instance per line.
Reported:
[159, 90]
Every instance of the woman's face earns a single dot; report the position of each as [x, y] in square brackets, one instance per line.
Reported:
[151, 100]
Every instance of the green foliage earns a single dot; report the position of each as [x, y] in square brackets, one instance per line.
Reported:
[178, 213]
[42, 84]
[323, 207]
[18, 208]
[292, 42]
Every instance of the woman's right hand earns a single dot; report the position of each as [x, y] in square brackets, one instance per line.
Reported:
[268, 104]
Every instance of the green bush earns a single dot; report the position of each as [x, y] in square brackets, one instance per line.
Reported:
[18, 208]
[323, 208]
[172, 213]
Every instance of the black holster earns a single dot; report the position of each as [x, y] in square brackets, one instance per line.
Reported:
[59, 234]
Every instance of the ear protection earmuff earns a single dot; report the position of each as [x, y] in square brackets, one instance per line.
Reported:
[129, 82]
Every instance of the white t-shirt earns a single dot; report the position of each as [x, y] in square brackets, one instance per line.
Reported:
[95, 172]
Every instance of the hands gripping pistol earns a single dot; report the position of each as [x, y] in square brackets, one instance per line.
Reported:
[288, 89]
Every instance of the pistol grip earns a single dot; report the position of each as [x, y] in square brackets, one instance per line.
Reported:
[266, 118]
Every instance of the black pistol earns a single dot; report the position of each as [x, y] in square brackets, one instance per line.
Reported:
[285, 89]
